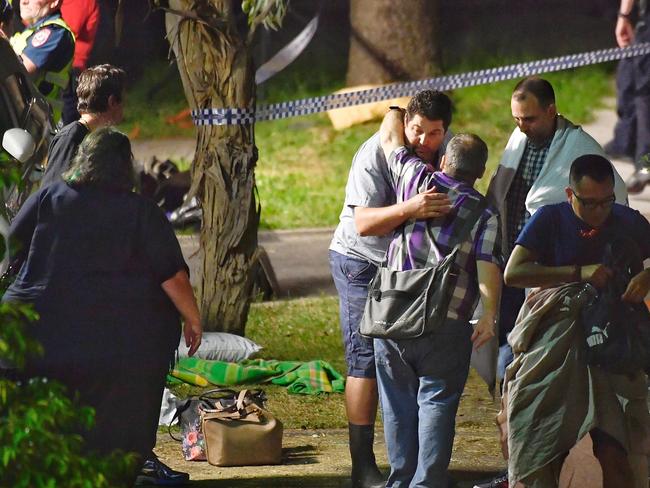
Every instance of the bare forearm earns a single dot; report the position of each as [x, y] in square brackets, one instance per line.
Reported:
[380, 221]
[626, 6]
[489, 285]
[180, 292]
[391, 131]
[526, 275]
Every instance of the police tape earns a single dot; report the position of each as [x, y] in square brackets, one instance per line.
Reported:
[307, 106]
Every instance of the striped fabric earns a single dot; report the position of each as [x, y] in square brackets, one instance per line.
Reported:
[421, 243]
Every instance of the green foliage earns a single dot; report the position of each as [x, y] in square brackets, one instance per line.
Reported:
[39, 424]
[303, 162]
[301, 329]
[269, 13]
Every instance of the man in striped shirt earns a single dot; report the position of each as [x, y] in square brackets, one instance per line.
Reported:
[421, 380]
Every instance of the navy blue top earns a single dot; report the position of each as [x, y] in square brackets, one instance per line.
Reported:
[94, 263]
[560, 238]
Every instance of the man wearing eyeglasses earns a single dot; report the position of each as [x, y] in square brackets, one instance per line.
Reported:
[564, 243]
[533, 172]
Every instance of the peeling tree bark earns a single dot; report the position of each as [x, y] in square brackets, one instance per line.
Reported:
[216, 70]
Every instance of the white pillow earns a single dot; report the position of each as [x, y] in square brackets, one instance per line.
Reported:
[221, 346]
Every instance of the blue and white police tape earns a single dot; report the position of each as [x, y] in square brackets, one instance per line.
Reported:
[306, 106]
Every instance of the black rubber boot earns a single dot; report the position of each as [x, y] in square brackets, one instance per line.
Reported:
[365, 473]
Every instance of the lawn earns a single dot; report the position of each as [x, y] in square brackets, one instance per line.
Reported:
[303, 162]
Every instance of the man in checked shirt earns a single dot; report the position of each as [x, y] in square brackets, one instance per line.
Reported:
[421, 380]
[533, 172]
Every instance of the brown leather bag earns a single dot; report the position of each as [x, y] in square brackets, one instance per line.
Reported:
[243, 434]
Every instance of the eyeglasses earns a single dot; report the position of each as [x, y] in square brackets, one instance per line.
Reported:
[590, 204]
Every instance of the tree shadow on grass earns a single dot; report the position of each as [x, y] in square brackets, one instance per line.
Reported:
[464, 479]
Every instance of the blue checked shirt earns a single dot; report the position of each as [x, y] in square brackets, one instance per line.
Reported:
[412, 246]
[528, 170]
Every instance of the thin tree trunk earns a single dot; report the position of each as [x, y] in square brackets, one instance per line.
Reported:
[392, 41]
[216, 70]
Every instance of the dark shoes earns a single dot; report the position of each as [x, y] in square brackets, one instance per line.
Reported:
[617, 152]
[500, 481]
[155, 473]
[365, 473]
[637, 182]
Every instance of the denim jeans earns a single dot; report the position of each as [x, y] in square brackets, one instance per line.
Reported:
[351, 278]
[420, 384]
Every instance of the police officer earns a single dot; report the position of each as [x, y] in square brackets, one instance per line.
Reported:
[632, 131]
[6, 18]
[46, 48]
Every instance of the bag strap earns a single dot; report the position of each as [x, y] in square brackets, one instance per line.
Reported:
[461, 235]
[177, 415]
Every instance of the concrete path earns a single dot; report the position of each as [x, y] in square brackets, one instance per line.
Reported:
[298, 257]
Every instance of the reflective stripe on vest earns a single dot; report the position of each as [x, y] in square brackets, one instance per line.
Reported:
[58, 79]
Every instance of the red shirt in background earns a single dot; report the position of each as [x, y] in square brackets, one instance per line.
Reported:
[83, 18]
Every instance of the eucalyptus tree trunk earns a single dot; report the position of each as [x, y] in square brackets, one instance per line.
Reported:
[391, 41]
[216, 69]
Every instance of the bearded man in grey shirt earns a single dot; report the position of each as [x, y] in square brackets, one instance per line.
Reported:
[370, 215]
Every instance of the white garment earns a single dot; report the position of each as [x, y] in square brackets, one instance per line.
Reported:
[569, 142]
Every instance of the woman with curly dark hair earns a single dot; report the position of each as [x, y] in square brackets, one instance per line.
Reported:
[105, 272]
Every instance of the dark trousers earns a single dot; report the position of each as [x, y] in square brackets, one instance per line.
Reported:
[511, 301]
[632, 131]
[69, 113]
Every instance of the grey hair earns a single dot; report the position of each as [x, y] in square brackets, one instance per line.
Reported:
[465, 157]
[103, 160]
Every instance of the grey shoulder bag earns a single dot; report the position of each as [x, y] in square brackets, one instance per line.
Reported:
[412, 303]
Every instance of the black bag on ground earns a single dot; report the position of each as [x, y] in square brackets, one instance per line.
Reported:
[617, 333]
[411, 303]
[189, 417]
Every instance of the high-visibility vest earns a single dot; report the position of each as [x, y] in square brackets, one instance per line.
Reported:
[58, 79]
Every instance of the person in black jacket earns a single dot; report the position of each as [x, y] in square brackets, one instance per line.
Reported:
[100, 92]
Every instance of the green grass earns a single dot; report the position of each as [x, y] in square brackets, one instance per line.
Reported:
[303, 330]
[303, 162]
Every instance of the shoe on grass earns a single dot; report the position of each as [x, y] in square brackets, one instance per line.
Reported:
[156, 473]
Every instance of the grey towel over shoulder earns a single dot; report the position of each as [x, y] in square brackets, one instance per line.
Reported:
[554, 397]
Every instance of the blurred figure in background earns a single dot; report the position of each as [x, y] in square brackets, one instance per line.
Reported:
[83, 18]
[6, 17]
[46, 48]
[632, 132]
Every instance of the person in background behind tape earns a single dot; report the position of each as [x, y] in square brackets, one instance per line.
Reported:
[632, 131]
[6, 19]
[83, 18]
[370, 209]
[46, 48]
[421, 380]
